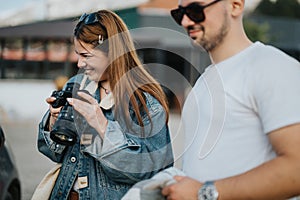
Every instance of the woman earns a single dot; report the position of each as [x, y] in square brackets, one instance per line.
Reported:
[129, 139]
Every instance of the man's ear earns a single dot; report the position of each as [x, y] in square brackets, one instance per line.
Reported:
[237, 7]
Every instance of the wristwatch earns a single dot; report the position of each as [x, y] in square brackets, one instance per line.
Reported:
[208, 191]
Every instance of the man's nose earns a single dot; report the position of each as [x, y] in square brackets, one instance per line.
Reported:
[186, 21]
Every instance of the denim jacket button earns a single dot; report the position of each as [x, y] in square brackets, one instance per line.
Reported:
[73, 159]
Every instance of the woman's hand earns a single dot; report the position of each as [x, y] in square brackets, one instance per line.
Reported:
[54, 112]
[91, 111]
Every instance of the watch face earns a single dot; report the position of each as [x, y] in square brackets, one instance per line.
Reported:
[208, 192]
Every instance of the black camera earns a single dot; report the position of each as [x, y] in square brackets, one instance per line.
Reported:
[61, 96]
[64, 130]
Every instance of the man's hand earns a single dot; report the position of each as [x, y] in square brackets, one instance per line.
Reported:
[185, 188]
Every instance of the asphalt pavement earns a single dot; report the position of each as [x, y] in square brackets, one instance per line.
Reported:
[32, 165]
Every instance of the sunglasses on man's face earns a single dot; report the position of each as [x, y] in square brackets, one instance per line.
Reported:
[194, 11]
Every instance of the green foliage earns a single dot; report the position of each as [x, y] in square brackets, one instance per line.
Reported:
[279, 8]
[257, 32]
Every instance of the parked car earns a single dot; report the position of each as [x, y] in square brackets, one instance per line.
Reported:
[10, 187]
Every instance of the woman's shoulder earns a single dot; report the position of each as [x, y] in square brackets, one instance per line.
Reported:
[152, 103]
[76, 78]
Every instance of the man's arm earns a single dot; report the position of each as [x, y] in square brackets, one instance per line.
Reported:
[276, 179]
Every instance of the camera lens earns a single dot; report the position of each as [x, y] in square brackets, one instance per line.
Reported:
[63, 136]
[64, 130]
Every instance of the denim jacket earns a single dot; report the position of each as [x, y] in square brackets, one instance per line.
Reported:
[106, 169]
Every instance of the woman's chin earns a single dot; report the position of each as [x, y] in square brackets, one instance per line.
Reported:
[92, 77]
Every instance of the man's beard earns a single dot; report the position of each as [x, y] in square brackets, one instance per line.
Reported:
[211, 43]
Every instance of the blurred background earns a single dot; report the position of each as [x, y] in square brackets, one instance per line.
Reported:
[37, 56]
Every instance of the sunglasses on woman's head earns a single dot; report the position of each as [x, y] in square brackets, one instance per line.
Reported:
[88, 18]
[194, 11]
[91, 18]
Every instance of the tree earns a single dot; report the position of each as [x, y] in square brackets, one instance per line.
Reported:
[257, 32]
[279, 8]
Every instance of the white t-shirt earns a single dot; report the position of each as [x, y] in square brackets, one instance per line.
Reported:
[232, 108]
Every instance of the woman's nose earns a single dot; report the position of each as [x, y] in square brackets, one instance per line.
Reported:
[81, 63]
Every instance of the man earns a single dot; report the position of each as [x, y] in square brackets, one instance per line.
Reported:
[242, 118]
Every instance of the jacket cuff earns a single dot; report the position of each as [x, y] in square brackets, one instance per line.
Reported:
[44, 130]
[113, 141]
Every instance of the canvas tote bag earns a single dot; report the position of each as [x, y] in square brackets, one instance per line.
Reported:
[44, 189]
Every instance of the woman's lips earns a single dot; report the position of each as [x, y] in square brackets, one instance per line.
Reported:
[88, 71]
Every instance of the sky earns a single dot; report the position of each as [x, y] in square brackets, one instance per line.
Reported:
[13, 4]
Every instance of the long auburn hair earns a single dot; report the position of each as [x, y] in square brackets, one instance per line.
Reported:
[127, 77]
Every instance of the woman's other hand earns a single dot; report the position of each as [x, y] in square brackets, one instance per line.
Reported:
[91, 111]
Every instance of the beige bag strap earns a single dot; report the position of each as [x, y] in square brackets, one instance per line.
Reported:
[44, 189]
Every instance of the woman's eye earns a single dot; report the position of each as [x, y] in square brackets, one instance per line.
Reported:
[84, 55]
[87, 55]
